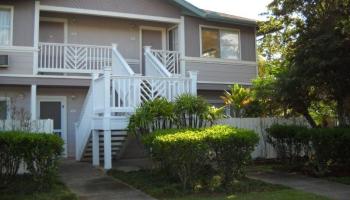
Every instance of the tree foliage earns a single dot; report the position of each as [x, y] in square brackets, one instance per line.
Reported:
[308, 42]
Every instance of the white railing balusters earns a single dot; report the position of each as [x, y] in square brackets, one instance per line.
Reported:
[73, 58]
[170, 60]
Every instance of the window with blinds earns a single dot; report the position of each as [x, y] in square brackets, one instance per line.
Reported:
[5, 26]
[220, 43]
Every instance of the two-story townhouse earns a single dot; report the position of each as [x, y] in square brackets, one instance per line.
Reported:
[87, 64]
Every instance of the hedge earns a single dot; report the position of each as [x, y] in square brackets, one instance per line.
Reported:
[188, 153]
[322, 148]
[39, 152]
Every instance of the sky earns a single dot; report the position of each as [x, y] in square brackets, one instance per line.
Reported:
[243, 8]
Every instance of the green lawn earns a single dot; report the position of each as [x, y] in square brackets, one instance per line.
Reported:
[161, 187]
[343, 180]
[23, 190]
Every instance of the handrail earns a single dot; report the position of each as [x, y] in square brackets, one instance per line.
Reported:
[169, 59]
[119, 64]
[153, 66]
[83, 127]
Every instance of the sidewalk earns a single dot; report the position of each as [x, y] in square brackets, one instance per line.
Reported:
[91, 184]
[313, 185]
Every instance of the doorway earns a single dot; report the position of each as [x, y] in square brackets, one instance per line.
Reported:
[154, 37]
[54, 107]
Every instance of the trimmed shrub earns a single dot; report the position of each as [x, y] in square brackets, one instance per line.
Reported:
[187, 153]
[289, 141]
[324, 148]
[331, 148]
[39, 152]
[232, 148]
[183, 153]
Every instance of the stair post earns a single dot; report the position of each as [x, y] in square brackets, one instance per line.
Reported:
[107, 120]
[193, 76]
[95, 137]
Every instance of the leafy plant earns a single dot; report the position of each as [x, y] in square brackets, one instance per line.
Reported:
[238, 98]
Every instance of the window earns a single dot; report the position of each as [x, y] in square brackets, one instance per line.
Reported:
[173, 39]
[4, 108]
[5, 25]
[220, 43]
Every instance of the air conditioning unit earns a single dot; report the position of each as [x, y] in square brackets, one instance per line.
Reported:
[4, 60]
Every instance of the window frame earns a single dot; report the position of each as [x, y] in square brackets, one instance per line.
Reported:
[8, 106]
[219, 28]
[11, 8]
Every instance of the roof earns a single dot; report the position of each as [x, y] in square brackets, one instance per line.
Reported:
[213, 16]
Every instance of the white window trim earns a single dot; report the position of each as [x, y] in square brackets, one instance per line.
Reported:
[220, 28]
[12, 8]
[8, 106]
[168, 32]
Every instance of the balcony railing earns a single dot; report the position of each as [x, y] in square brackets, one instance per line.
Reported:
[73, 58]
[170, 59]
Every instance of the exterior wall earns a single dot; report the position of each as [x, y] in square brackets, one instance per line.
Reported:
[192, 35]
[19, 62]
[75, 100]
[223, 72]
[145, 7]
[20, 99]
[105, 31]
[23, 21]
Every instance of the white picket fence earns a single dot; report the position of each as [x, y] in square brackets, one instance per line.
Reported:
[35, 126]
[259, 125]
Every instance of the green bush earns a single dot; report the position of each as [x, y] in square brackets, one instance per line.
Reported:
[325, 148]
[232, 148]
[188, 111]
[187, 153]
[39, 152]
[331, 148]
[289, 141]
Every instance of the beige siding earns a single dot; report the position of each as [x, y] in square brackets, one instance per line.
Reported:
[23, 21]
[221, 72]
[160, 8]
[19, 62]
[105, 31]
[192, 35]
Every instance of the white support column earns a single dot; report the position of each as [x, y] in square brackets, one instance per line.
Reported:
[182, 46]
[193, 76]
[95, 148]
[107, 120]
[36, 37]
[33, 99]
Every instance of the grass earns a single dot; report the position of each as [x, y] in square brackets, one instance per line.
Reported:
[164, 188]
[23, 189]
[343, 180]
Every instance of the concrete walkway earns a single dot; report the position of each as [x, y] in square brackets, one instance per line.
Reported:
[91, 184]
[318, 186]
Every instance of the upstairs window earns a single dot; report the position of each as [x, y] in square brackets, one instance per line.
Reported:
[5, 25]
[220, 43]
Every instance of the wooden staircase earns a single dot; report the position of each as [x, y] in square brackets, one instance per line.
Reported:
[118, 140]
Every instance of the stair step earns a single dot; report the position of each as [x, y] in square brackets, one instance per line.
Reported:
[102, 145]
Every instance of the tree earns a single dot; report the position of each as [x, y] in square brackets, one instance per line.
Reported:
[316, 55]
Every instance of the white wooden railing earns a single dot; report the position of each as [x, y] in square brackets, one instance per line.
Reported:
[129, 92]
[83, 127]
[36, 126]
[153, 66]
[169, 59]
[73, 58]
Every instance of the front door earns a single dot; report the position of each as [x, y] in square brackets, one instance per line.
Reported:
[54, 108]
[151, 37]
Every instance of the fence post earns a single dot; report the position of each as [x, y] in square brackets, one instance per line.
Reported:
[193, 76]
[107, 120]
